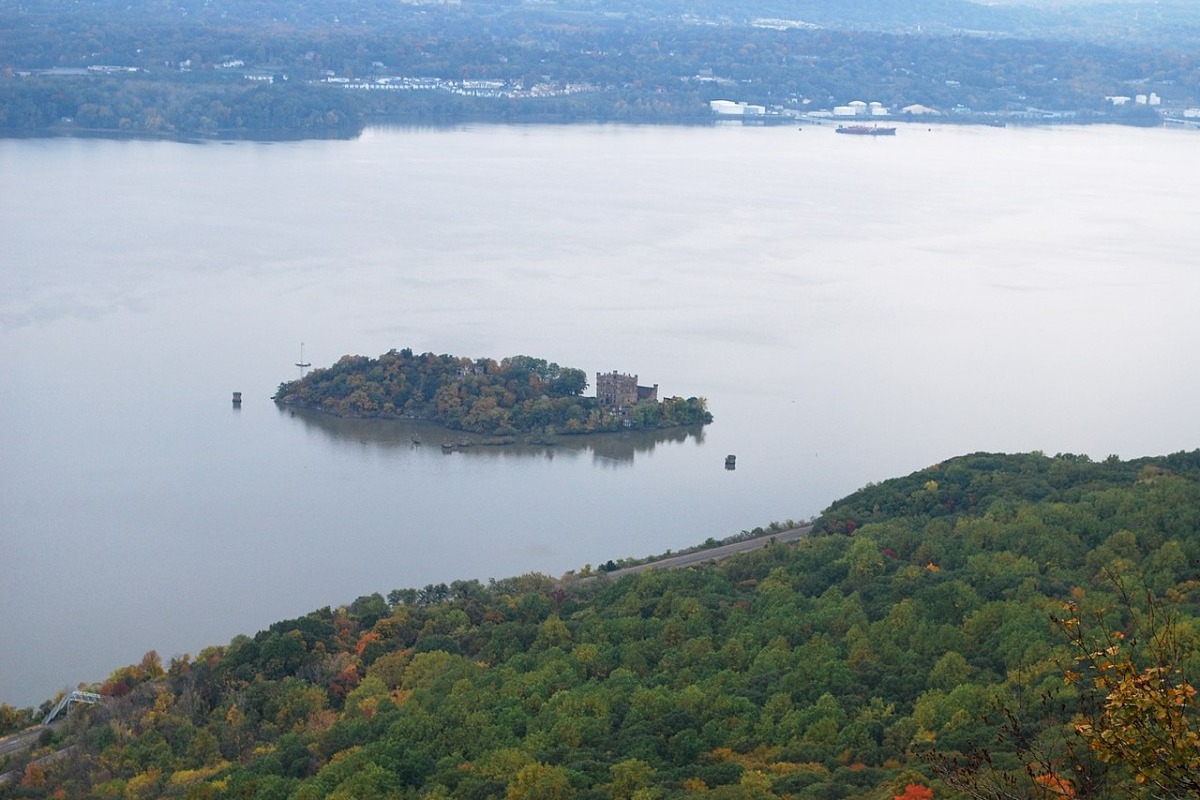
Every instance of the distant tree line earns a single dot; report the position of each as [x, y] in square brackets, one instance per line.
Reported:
[138, 105]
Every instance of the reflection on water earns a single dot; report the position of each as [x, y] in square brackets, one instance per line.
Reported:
[418, 435]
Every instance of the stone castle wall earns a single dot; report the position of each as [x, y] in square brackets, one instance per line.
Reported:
[618, 390]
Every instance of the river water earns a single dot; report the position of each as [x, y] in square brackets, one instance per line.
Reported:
[852, 308]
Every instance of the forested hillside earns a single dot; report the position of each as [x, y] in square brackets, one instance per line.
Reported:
[1041, 609]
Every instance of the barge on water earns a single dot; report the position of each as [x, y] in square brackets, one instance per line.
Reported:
[865, 130]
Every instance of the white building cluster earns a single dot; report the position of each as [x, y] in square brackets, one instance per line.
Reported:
[729, 108]
[1151, 99]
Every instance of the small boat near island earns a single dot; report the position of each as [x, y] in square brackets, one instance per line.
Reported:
[302, 364]
[865, 130]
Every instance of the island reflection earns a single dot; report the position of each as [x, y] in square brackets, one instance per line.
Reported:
[427, 438]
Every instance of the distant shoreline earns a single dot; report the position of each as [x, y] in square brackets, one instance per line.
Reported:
[452, 122]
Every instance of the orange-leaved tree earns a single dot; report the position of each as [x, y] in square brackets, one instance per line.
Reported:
[915, 791]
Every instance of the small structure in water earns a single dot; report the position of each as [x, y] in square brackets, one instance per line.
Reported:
[237, 398]
[730, 462]
[302, 364]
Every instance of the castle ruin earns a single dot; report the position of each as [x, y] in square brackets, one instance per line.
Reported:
[618, 390]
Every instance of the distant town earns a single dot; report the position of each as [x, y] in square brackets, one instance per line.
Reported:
[859, 110]
[210, 70]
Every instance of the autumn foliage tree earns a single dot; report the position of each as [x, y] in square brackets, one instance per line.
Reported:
[1146, 723]
[124, 679]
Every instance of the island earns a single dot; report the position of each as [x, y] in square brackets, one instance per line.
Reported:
[518, 395]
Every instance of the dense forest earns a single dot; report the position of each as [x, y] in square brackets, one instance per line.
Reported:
[999, 626]
[206, 69]
[518, 395]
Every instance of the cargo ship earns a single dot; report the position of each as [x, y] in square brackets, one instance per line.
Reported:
[866, 130]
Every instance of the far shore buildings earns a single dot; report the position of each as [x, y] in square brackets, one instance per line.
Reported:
[730, 108]
[857, 108]
[618, 390]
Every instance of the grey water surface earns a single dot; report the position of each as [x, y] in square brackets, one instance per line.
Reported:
[852, 309]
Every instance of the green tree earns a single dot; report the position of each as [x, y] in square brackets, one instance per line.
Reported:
[540, 782]
[628, 776]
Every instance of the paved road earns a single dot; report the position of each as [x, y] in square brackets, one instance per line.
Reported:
[21, 741]
[15, 775]
[715, 553]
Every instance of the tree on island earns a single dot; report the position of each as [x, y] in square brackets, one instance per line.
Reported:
[519, 394]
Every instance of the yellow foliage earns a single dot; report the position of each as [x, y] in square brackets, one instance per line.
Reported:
[344, 754]
[162, 707]
[185, 777]
[1149, 721]
[723, 754]
[143, 785]
[795, 768]
[763, 759]
[539, 781]
[235, 717]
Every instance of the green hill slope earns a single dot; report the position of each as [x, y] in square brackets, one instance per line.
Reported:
[843, 666]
